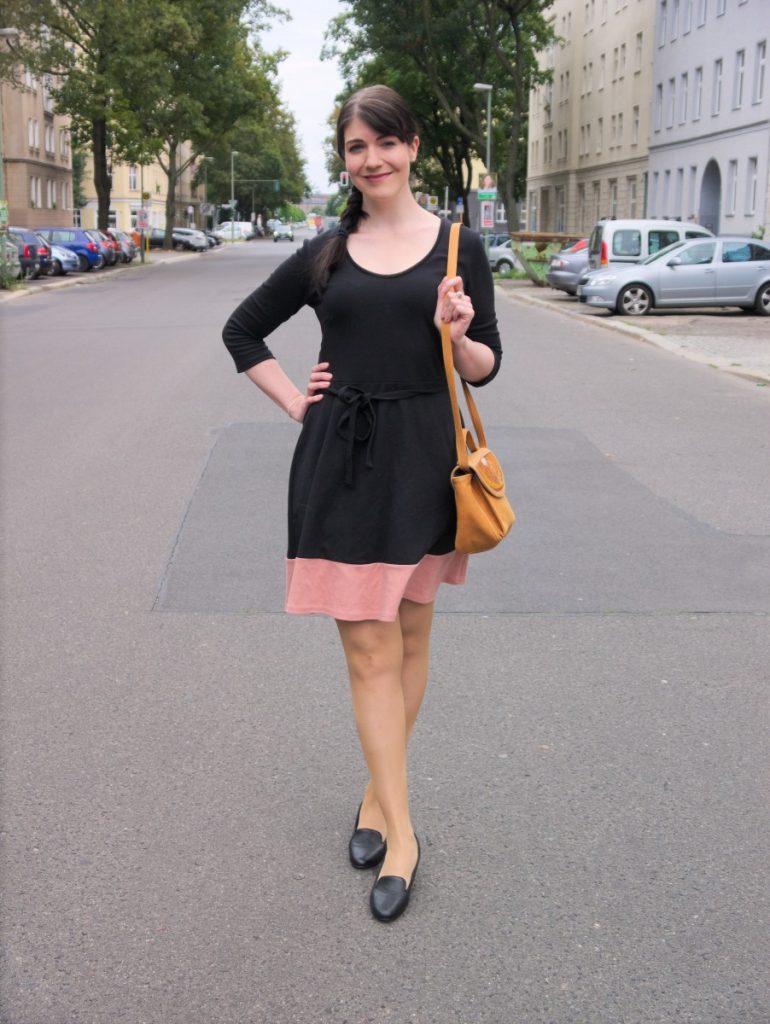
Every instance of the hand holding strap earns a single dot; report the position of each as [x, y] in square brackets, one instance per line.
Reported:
[463, 436]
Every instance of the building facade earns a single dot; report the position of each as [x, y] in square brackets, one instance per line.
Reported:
[589, 127]
[130, 182]
[37, 158]
[710, 138]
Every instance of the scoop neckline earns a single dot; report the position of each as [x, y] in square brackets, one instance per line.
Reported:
[407, 270]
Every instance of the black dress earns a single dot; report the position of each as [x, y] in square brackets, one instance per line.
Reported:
[371, 510]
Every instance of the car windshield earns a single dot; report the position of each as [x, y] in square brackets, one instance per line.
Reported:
[662, 252]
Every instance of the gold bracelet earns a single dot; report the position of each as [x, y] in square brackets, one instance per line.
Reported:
[291, 403]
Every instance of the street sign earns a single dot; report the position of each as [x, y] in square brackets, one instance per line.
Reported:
[487, 215]
[432, 202]
[487, 193]
[207, 209]
[142, 219]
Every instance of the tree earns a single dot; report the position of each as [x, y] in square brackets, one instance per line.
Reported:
[86, 52]
[415, 49]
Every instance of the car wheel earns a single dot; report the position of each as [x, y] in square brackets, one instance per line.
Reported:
[83, 263]
[57, 269]
[504, 267]
[762, 305]
[99, 262]
[635, 300]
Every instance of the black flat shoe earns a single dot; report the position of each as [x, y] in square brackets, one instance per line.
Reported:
[367, 847]
[390, 894]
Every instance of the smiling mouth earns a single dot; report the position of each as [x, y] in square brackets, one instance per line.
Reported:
[377, 177]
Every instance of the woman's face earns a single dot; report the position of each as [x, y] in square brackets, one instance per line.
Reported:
[378, 165]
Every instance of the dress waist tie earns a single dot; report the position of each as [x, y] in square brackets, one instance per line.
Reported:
[358, 420]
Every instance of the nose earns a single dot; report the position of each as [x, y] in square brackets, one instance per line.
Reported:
[372, 158]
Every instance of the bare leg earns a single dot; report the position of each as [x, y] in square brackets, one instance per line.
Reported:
[415, 621]
[374, 653]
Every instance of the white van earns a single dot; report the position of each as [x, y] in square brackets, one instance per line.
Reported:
[630, 241]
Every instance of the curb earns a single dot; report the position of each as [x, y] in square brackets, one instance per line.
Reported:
[638, 333]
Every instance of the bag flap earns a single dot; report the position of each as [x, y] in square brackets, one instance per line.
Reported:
[487, 470]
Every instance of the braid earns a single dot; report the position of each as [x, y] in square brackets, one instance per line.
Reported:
[335, 248]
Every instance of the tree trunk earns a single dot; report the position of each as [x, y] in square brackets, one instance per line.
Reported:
[102, 182]
[171, 195]
[511, 209]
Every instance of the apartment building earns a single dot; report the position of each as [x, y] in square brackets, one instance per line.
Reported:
[589, 127]
[710, 139]
[130, 182]
[36, 154]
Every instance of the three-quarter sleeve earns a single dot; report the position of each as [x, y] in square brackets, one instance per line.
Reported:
[276, 300]
[473, 267]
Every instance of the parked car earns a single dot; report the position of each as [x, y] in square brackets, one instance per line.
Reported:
[568, 266]
[63, 261]
[283, 231]
[79, 241]
[230, 230]
[501, 257]
[126, 243]
[727, 271]
[11, 258]
[631, 241]
[190, 239]
[105, 245]
[44, 255]
[213, 238]
[27, 244]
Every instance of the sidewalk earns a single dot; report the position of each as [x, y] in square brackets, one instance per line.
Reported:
[156, 258]
[727, 339]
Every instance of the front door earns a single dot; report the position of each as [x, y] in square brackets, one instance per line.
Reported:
[692, 281]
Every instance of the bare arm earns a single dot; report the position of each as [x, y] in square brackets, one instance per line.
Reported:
[270, 378]
[473, 360]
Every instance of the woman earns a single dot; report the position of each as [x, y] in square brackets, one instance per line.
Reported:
[371, 513]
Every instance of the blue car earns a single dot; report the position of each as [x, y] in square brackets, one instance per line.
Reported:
[80, 242]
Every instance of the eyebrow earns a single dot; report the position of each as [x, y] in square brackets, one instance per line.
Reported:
[382, 135]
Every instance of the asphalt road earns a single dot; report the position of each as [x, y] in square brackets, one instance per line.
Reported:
[179, 761]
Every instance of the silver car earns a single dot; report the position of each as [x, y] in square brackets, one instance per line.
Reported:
[728, 271]
[568, 266]
[63, 261]
[502, 257]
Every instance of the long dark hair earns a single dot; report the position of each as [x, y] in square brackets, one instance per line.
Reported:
[387, 114]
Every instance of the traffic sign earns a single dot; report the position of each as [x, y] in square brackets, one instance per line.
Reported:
[142, 219]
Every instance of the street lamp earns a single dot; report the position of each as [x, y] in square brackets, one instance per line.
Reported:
[484, 87]
[233, 155]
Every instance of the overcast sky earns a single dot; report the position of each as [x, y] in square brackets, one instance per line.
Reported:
[308, 84]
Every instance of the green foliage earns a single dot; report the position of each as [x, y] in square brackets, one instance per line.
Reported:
[79, 200]
[433, 52]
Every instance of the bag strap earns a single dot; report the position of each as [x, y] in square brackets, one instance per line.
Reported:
[461, 433]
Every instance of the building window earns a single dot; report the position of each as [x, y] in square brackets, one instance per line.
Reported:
[599, 134]
[64, 143]
[721, 7]
[133, 178]
[662, 22]
[635, 126]
[740, 68]
[65, 195]
[532, 217]
[590, 77]
[685, 81]
[602, 69]
[597, 200]
[604, 11]
[631, 186]
[751, 185]
[697, 95]
[674, 19]
[666, 188]
[613, 130]
[638, 52]
[760, 63]
[615, 64]
[561, 208]
[613, 184]
[620, 129]
[50, 194]
[34, 191]
[732, 187]
[658, 106]
[653, 196]
[33, 132]
[622, 70]
[671, 106]
[581, 207]
[716, 95]
[687, 18]
[678, 190]
[701, 12]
